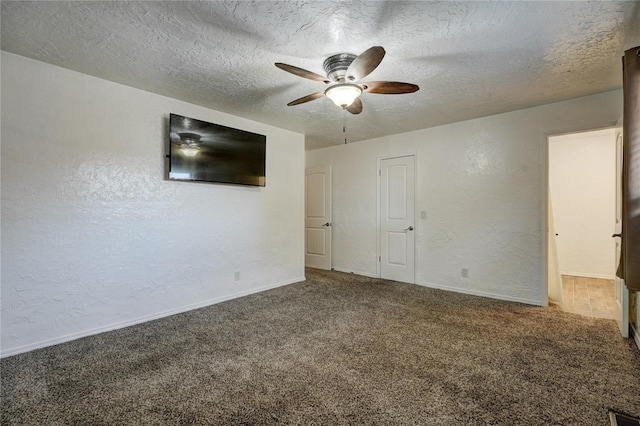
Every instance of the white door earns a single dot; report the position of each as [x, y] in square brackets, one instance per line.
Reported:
[397, 210]
[622, 294]
[317, 219]
[555, 288]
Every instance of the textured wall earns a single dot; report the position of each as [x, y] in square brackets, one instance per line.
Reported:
[582, 185]
[481, 184]
[93, 237]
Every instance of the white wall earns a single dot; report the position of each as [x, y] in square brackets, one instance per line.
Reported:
[482, 184]
[94, 237]
[582, 186]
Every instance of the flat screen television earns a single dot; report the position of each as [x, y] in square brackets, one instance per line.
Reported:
[207, 152]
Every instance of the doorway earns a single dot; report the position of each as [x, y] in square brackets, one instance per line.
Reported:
[396, 218]
[582, 220]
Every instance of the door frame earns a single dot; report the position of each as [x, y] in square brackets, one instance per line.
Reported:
[416, 187]
[620, 286]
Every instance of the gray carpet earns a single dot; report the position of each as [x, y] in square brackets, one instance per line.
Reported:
[336, 349]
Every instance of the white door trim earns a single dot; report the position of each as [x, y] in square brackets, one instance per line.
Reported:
[621, 291]
[379, 160]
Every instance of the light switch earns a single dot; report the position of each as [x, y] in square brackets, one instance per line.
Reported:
[423, 214]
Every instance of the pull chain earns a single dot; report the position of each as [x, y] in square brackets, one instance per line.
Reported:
[344, 125]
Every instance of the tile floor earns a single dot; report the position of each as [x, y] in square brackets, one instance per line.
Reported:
[592, 297]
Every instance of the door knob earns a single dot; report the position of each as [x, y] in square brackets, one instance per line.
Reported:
[327, 224]
[616, 235]
[409, 228]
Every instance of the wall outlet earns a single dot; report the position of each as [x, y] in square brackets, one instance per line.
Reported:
[465, 272]
[237, 276]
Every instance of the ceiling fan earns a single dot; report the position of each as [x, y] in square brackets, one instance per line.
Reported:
[344, 72]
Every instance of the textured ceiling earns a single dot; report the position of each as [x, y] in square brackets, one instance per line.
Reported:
[470, 59]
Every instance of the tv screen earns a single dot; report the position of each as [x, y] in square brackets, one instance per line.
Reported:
[207, 152]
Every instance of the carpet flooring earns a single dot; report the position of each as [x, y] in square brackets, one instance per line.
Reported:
[336, 349]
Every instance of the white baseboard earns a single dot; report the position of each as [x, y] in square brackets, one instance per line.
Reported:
[587, 275]
[351, 271]
[73, 336]
[454, 289]
[481, 293]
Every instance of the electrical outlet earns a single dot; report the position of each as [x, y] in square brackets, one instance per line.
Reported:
[465, 272]
[237, 276]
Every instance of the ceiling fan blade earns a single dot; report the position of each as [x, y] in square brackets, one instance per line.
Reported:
[302, 72]
[390, 87]
[364, 64]
[355, 107]
[311, 97]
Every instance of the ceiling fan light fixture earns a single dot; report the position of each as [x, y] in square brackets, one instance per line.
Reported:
[345, 72]
[343, 94]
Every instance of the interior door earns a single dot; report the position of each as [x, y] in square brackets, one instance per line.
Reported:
[621, 292]
[397, 221]
[318, 217]
[554, 279]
